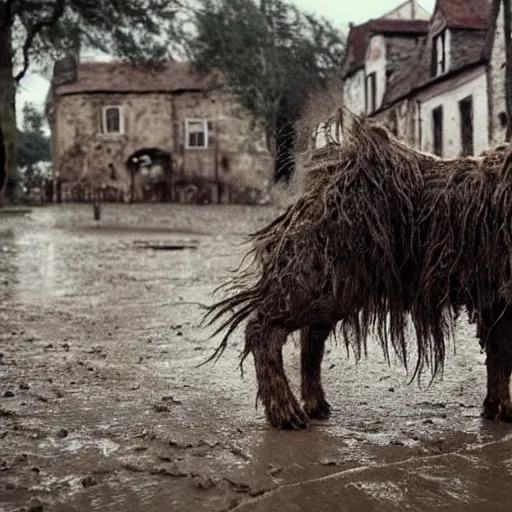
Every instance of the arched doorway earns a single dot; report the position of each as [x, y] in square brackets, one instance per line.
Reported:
[151, 168]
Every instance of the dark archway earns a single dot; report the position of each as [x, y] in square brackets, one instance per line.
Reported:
[145, 158]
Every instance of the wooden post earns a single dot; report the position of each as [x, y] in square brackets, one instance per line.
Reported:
[3, 160]
[216, 162]
[96, 204]
[132, 185]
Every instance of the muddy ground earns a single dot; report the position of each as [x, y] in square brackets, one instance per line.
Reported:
[102, 406]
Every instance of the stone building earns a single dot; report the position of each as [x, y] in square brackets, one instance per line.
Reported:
[436, 83]
[136, 134]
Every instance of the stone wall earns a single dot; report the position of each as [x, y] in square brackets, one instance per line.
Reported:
[353, 92]
[157, 120]
[448, 94]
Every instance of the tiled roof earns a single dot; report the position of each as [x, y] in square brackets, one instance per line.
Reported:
[469, 14]
[467, 50]
[123, 77]
[469, 21]
[359, 36]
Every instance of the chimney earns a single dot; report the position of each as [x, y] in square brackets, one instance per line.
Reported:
[414, 9]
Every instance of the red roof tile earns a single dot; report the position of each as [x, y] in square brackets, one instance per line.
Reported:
[359, 36]
[123, 77]
[470, 14]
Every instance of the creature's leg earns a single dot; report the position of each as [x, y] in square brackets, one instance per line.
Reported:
[281, 407]
[312, 341]
[497, 405]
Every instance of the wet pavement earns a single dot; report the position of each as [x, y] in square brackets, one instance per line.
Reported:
[102, 406]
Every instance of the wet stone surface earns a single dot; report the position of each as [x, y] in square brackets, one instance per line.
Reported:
[102, 406]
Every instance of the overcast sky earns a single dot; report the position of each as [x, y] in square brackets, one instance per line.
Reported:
[340, 12]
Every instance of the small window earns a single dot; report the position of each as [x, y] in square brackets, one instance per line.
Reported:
[503, 119]
[112, 120]
[466, 125]
[437, 121]
[371, 92]
[439, 54]
[198, 133]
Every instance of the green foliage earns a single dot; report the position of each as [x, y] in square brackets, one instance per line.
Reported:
[44, 30]
[273, 56]
[34, 145]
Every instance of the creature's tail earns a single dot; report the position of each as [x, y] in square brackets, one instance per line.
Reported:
[239, 306]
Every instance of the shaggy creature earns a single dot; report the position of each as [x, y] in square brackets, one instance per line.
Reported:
[382, 237]
[2, 160]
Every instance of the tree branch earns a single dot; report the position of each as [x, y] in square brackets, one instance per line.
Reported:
[57, 13]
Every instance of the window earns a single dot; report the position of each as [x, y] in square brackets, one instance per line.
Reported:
[466, 125]
[503, 119]
[437, 121]
[198, 133]
[371, 92]
[439, 54]
[112, 121]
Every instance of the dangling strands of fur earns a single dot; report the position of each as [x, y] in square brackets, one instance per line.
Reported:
[381, 236]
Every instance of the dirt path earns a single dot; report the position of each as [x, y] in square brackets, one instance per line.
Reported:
[102, 406]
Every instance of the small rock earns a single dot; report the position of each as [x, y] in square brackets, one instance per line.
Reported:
[4, 466]
[35, 506]
[328, 462]
[88, 481]
[140, 448]
[35, 470]
[160, 408]
[204, 482]
[172, 400]
[62, 433]
[391, 390]
[24, 386]
[65, 346]
[396, 442]
[8, 394]
[274, 470]
[42, 399]
[165, 458]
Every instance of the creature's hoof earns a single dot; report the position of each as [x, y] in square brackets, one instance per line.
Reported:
[318, 409]
[498, 410]
[289, 416]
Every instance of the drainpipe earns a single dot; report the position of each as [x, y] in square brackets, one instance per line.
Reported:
[418, 114]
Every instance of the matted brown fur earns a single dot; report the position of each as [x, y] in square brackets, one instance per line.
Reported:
[382, 235]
